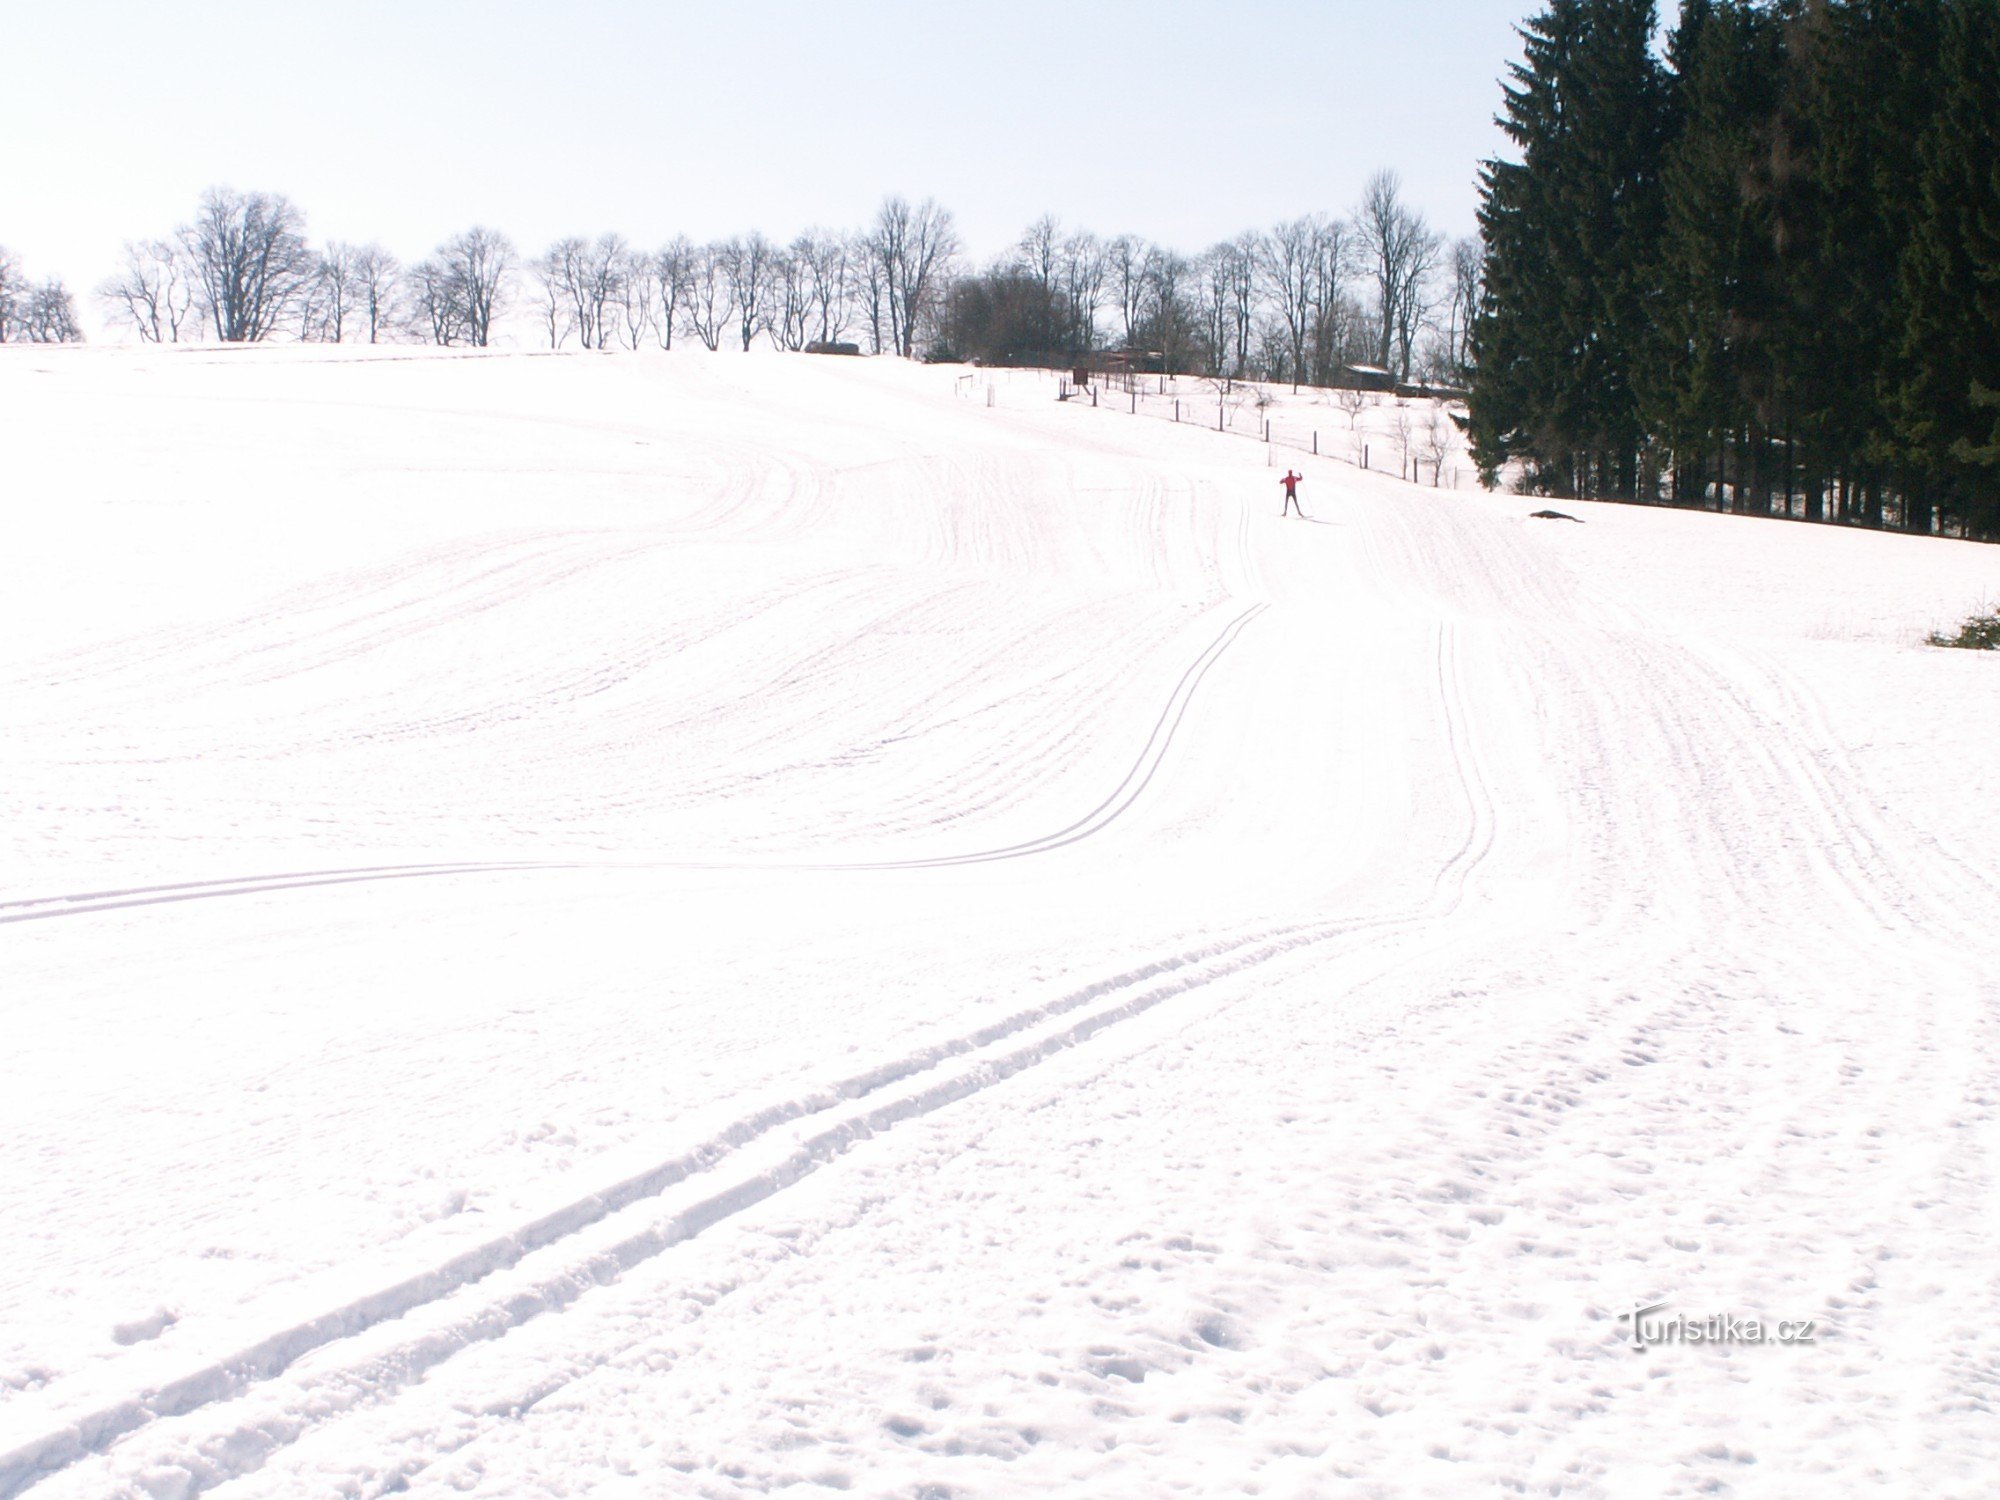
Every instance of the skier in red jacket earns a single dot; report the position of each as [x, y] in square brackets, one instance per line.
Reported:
[1291, 484]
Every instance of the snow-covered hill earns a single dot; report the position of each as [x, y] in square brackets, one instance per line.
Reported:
[583, 925]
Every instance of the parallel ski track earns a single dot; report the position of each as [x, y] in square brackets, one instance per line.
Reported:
[1121, 798]
[546, 1264]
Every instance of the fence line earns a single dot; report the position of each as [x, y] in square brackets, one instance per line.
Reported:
[1239, 417]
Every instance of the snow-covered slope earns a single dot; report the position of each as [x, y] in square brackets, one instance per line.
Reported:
[693, 925]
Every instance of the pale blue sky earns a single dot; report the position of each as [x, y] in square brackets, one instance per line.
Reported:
[1181, 120]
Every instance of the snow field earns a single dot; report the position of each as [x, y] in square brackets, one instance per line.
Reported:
[697, 925]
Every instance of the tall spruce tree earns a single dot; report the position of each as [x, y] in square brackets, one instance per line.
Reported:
[1571, 232]
[1713, 284]
[1857, 90]
[1949, 354]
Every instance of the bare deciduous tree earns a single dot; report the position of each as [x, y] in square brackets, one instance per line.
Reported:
[871, 286]
[791, 296]
[914, 248]
[554, 272]
[329, 299]
[579, 289]
[1340, 338]
[1435, 446]
[1468, 277]
[1229, 301]
[596, 291]
[1305, 263]
[12, 290]
[1083, 267]
[748, 265]
[707, 298]
[1413, 307]
[436, 310]
[1404, 426]
[377, 282]
[152, 291]
[1125, 267]
[636, 294]
[249, 259]
[673, 269]
[1068, 274]
[479, 271]
[1168, 324]
[828, 264]
[307, 309]
[1400, 250]
[46, 314]
[1242, 285]
[1039, 254]
[1214, 272]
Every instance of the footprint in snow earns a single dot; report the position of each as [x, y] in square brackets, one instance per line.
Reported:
[155, 1323]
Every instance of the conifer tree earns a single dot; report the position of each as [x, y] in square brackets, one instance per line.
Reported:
[1856, 91]
[1571, 232]
[1947, 415]
[1714, 288]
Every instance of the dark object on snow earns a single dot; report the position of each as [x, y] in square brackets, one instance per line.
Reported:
[1980, 633]
[1364, 378]
[820, 346]
[1550, 515]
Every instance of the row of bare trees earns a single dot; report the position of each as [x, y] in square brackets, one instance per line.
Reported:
[242, 271]
[1301, 301]
[606, 293]
[34, 312]
[883, 280]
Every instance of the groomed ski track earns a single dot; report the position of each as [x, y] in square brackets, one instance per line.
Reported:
[701, 926]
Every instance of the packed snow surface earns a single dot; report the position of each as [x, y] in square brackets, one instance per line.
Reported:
[704, 924]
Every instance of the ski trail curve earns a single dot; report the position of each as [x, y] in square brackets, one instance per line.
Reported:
[1115, 803]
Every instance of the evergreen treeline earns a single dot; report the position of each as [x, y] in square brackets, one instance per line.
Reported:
[1760, 272]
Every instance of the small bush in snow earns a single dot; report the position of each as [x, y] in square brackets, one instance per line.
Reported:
[1980, 633]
